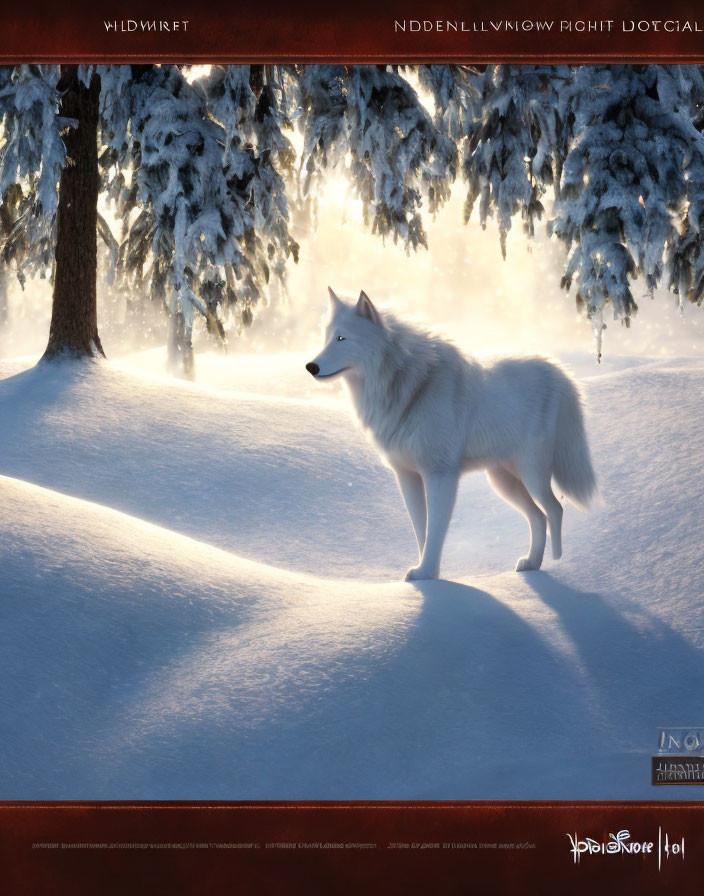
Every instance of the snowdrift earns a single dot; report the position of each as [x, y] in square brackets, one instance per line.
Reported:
[200, 598]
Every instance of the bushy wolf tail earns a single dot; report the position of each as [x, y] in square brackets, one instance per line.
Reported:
[572, 464]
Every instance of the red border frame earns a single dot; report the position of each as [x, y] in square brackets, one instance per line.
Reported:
[355, 33]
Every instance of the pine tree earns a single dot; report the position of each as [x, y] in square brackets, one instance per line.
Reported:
[32, 156]
[623, 204]
[617, 149]
[211, 218]
[204, 208]
[370, 120]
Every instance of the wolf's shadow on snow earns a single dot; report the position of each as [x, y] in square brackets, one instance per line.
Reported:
[473, 687]
[468, 696]
[616, 675]
[637, 664]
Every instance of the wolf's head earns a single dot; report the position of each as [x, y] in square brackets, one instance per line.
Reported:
[352, 334]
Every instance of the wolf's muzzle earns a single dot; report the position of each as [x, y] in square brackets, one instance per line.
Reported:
[313, 368]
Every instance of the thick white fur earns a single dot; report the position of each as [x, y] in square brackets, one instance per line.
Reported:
[435, 414]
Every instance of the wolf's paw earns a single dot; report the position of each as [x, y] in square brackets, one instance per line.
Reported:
[525, 563]
[419, 574]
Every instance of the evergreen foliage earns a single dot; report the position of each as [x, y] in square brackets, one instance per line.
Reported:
[204, 174]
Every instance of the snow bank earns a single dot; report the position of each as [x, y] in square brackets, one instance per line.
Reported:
[200, 598]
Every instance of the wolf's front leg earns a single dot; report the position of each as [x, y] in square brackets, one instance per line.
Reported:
[440, 494]
[411, 486]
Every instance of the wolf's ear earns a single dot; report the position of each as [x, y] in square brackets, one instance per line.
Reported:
[365, 308]
[334, 301]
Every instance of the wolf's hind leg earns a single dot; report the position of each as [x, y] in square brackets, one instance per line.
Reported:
[512, 490]
[411, 487]
[538, 484]
[440, 494]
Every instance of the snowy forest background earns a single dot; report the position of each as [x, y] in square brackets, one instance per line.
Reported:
[224, 190]
[201, 590]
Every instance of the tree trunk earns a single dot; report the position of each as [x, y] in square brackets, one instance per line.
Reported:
[4, 310]
[180, 358]
[74, 317]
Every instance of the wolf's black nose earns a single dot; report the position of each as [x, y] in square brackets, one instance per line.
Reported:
[313, 368]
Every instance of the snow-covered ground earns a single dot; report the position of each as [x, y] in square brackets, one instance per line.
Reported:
[201, 596]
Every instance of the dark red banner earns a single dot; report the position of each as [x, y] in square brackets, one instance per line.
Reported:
[365, 31]
[351, 847]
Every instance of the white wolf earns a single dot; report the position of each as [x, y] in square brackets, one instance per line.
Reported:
[436, 414]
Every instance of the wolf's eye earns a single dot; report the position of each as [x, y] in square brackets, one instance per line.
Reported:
[340, 338]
